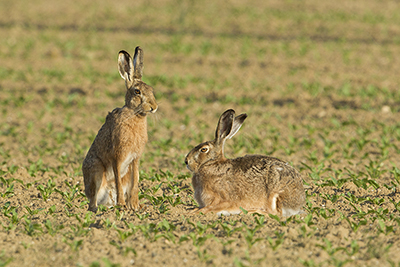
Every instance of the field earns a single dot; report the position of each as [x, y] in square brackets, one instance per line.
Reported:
[319, 81]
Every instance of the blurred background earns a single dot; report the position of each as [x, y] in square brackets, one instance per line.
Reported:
[266, 58]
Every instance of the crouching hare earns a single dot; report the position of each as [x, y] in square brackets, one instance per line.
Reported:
[256, 183]
[111, 167]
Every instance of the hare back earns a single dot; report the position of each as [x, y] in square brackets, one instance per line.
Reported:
[276, 173]
[280, 178]
[249, 180]
[248, 173]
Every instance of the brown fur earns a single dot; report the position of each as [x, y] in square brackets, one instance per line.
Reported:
[111, 167]
[256, 183]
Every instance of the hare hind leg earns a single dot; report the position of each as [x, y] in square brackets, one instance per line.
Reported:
[223, 208]
[133, 190]
[93, 176]
[273, 205]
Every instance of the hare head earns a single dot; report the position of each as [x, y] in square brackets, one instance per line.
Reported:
[213, 151]
[139, 96]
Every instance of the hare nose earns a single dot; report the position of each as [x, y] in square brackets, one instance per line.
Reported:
[152, 110]
[186, 161]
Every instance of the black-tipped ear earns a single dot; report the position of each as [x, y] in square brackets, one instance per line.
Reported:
[224, 125]
[237, 123]
[138, 63]
[125, 67]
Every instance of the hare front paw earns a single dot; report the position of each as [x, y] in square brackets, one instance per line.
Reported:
[93, 208]
[134, 205]
[121, 203]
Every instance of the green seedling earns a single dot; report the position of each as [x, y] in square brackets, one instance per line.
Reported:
[278, 219]
[329, 248]
[332, 181]
[87, 221]
[7, 209]
[202, 228]
[73, 244]
[119, 214]
[32, 228]
[332, 198]
[338, 262]
[374, 170]
[123, 235]
[276, 243]
[309, 263]
[355, 225]
[229, 229]
[5, 260]
[51, 229]
[142, 216]
[259, 219]
[108, 224]
[326, 213]
[248, 261]
[166, 225]
[198, 241]
[12, 169]
[308, 220]
[316, 172]
[354, 199]
[13, 221]
[354, 248]
[173, 200]
[124, 251]
[47, 190]
[35, 167]
[33, 212]
[204, 256]
[148, 230]
[74, 192]
[9, 192]
[377, 250]
[395, 174]
[383, 228]
[78, 230]
[304, 232]
[51, 210]
[363, 183]
[60, 169]
[68, 213]
[108, 263]
[250, 235]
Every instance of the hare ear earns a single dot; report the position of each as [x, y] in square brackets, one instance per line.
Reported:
[138, 63]
[125, 67]
[237, 123]
[224, 126]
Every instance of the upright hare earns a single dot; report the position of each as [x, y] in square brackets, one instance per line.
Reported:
[111, 167]
[256, 183]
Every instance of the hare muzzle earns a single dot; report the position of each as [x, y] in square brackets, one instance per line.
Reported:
[149, 103]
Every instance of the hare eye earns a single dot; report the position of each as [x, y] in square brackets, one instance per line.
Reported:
[137, 92]
[204, 150]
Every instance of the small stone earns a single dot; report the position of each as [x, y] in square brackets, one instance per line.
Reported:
[386, 109]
